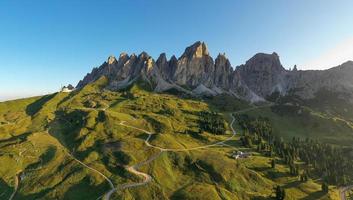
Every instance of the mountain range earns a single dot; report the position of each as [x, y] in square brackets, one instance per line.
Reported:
[139, 128]
[197, 73]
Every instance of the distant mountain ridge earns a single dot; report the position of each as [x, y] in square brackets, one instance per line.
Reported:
[196, 72]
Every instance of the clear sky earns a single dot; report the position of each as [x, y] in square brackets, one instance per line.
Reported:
[46, 44]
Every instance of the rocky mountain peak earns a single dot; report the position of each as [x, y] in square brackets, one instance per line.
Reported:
[347, 64]
[166, 68]
[197, 50]
[264, 62]
[196, 70]
[149, 64]
[162, 58]
[111, 60]
[222, 62]
[123, 58]
[143, 55]
[123, 55]
[173, 59]
[222, 71]
[264, 74]
[195, 66]
[221, 58]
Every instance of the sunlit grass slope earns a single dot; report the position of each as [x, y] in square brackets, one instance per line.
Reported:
[36, 135]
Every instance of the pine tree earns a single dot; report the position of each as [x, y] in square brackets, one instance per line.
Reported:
[280, 193]
[273, 164]
[324, 187]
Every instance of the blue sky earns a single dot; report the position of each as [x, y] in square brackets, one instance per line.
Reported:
[46, 44]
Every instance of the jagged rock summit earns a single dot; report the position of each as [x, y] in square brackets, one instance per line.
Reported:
[197, 73]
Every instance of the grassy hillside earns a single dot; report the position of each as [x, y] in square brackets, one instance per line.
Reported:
[328, 117]
[41, 136]
[300, 121]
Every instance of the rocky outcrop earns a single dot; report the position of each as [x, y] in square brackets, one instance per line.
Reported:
[222, 72]
[194, 67]
[196, 72]
[264, 74]
[337, 79]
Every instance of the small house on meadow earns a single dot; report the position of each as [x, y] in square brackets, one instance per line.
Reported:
[68, 88]
[240, 154]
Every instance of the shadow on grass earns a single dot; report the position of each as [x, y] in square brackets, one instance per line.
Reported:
[261, 169]
[261, 198]
[234, 143]
[42, 194]
[142, 136]
[66, 126]
[5, 189]
[115, 103]
[34, 107]
[293, 184]
[69, 96]
[272, 174]
[85, 190]
[14, 139]
[44, 159]
[197, 136]
[314, 195]
[181, 193]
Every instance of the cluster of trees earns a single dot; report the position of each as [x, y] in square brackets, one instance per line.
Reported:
[332, 163]
[261, 125]
[122, 157]
[101, 116]
[256, 132]
[156, 125]
[211, 122]
[91, 104]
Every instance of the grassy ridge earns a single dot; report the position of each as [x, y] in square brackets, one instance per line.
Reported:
[37, 133]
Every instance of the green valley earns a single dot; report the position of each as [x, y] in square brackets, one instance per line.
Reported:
[137, 144]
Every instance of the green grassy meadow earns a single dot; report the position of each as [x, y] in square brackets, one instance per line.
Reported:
[36, 135]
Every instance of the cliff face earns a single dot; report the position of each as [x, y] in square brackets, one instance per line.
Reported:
[337, 79]
[196, 70]
[264, 74]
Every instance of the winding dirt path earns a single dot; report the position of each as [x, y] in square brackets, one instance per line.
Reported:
[186, 149]
[147, 177]
[107, 195]
[343, 191]
[133, 169]
[111, 191]
[17, 182]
